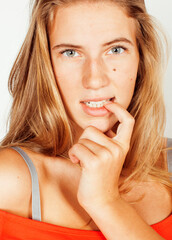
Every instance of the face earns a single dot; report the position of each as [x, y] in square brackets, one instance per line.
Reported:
[95, 68]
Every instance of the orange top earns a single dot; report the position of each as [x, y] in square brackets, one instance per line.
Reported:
[17, 227]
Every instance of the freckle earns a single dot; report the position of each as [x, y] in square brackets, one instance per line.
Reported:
[114, 69]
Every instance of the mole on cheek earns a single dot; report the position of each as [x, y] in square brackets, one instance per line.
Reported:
[114, 69]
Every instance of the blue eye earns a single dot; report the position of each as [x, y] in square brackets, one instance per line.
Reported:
[118, 50]
[69, 51]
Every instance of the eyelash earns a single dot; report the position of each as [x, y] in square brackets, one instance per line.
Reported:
[124, 48]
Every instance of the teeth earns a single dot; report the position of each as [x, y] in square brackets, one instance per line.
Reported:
[97, 104]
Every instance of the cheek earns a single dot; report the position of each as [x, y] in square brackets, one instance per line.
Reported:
[125, 91]
[64, 77]
[67, 91]
[126, 74]
[124, 82]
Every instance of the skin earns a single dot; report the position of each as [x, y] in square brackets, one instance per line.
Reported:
[92, 74]
[94, 71]
[99, 151]
[97, 72]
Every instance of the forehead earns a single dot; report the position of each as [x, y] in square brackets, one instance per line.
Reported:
[92, 21]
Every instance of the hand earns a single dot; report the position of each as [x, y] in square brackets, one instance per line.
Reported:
[101, 157]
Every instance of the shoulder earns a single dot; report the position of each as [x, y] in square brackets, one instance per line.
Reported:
[15, 181]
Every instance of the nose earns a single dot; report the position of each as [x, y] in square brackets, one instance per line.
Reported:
[95, 76]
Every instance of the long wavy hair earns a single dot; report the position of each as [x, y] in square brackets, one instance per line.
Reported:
[38, 119]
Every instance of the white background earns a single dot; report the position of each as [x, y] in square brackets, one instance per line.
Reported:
[14, 18]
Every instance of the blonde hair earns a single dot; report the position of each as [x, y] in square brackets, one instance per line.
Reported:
[38, 119]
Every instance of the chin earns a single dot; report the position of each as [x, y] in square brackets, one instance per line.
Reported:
[102, 125]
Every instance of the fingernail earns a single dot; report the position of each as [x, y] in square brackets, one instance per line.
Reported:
[107, 103]
[74, 159]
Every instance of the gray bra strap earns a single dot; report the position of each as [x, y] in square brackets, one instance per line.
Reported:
[36, 206]
[169, 155]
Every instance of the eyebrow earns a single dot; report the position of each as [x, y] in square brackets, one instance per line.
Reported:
[104, 45]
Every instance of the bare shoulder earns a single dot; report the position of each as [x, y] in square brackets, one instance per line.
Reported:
[15, 182]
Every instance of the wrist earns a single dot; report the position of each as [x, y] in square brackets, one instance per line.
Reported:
[102, 204]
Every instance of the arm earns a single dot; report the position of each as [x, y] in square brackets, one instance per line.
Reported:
[101, 157]
[119, 220]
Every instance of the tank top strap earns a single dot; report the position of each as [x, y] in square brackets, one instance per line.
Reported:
[169, 155]
[36, 205]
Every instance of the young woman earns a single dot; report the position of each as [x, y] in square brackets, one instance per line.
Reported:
[85, 156]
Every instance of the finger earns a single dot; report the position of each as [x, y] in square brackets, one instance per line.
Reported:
[98, 150]
[95, 135]
[125, 128]
[82, 153]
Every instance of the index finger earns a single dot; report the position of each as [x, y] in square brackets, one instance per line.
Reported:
[125, 128]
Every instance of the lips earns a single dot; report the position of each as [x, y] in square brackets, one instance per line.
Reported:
[96, 111]
[97, 99]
